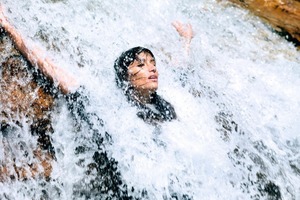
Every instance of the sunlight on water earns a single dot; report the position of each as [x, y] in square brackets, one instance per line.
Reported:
[237, 97]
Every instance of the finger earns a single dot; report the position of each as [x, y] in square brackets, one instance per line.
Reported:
[190, 29]
[2, 17]
[177, 25]
[1, 8]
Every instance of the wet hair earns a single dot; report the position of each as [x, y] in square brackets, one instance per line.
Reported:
[122, 63]
[166, 110]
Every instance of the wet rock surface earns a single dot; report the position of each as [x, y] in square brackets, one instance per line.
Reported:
[282, 15]
[23, 102]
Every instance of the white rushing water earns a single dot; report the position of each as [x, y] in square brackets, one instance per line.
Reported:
[238, 72]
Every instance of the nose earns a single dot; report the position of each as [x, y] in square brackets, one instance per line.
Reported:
[152, 68]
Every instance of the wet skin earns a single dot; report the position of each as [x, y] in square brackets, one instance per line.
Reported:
[143, 74]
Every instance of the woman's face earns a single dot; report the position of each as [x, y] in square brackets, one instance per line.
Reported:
[143, 74]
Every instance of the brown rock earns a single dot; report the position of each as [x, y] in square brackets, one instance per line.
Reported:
[22, 99]
[283, 15]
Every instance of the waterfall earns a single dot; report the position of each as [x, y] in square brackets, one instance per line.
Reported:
[236, 95]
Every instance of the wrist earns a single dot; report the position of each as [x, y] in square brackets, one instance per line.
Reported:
[188, 40]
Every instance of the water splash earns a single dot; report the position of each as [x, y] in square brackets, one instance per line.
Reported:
[237, 98]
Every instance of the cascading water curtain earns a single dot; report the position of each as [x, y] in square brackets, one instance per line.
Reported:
[236, 95]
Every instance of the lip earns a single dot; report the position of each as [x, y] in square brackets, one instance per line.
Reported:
[153, 77]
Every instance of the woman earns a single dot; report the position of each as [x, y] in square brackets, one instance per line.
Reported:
[136, 74]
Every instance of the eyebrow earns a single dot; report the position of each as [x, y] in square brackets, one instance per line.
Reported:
[142, 60]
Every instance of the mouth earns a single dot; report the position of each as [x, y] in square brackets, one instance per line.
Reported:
[153, 77]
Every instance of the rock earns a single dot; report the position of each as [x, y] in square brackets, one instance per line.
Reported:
[282, 15]
[23, 100]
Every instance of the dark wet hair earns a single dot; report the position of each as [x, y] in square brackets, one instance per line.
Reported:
[166, 110]
[122, 63]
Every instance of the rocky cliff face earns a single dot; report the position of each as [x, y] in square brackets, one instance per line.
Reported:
[24, 106]
[283, 15]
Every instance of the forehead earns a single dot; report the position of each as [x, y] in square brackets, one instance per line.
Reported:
[143, 56]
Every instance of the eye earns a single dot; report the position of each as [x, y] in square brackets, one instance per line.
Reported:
[153, 62]
[141, 65]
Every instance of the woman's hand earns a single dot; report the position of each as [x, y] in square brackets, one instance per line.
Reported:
[3, 20]
[184, 30]
[35, 56]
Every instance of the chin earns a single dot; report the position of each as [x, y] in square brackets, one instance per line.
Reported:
[153, 87]
[150, 89]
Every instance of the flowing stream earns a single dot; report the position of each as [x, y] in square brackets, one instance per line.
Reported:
[236, 95]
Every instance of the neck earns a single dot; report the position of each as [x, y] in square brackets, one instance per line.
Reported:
[143, 97]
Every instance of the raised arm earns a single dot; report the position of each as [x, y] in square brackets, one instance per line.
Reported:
[186, 32]
[36, 57]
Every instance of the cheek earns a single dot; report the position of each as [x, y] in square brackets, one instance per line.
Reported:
[133, 71]
[140, 79]
[138, 74]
